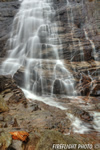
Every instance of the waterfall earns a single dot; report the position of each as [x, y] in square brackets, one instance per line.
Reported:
[33, 45]
[34, 48]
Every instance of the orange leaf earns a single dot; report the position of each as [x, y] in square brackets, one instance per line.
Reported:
[19, 135]
[15, 137]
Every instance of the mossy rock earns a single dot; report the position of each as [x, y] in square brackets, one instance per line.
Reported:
[3, 105]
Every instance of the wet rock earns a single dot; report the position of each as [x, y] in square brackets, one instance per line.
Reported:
[8, 9]
[62, 87]
[33, 107]
[1, 118]
[17, 97]
[16, 145]
[46, 140]
[33, 140]
[86, 116]
[5, 125]
[50, 118]
[98, 106]
[6, 82]
[49, 138]
[1, 125]
[1, 84]
[81, 113]
[95, 91]
[84, 87]
[12, 94]
[88, 86]
[75, 45]
[58, 89]
[7, 118]
[19, 77]
[15, 124]
[3, 105]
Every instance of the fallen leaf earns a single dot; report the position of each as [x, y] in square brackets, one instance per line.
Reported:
[19, 135]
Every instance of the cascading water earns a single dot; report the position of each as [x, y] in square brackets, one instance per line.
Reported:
[33, 46]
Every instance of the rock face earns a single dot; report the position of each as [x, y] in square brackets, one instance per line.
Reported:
[8, 9]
